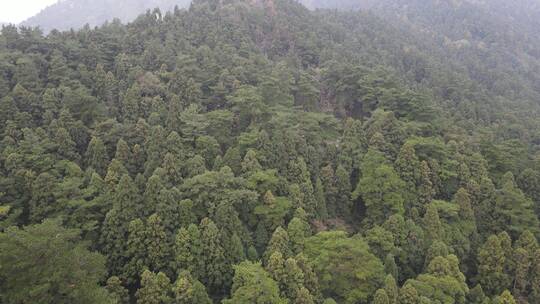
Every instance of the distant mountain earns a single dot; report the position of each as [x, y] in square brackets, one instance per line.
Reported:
[67, 14]
[338, 4]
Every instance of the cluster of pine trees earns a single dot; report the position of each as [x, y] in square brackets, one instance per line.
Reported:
[256, 152]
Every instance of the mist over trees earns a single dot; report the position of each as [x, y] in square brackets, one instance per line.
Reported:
[74, 14]
[256, 151]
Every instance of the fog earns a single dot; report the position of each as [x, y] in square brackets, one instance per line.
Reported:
[19, 10]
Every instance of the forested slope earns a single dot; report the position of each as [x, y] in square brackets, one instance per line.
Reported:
[259, 152]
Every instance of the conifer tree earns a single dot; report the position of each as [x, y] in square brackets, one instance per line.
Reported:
[157, 245]
[391, 289]
[522, 260]
[123, 154]
[188, 290]
[534, 296]
[155, 288]
[491, 259]
[381, 297]
[303, 297]
[343, 188]
[408, 295]
[432, 224]
[330, 192]
[408, 167]
[96, 156]
[297, 230]
[426, 190]
[505, 298]
[188, 249]
[279, 242]
[214, 267]
[126, 207]
[382, 192]
[252, 284]
[118, 292]
[135, 251]
[115, 171]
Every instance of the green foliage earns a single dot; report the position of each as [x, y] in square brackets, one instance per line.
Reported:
[277, 129]
[189, 291]
[381, 190]
[252, 284]
[333, 255]
[155, 288]
[57, 267]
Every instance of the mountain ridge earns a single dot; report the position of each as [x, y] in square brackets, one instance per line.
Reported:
[68, 14]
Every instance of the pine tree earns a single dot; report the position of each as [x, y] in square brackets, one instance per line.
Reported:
[476, 295]
[135, 251]
[390, 266]
[381, 297]
[408, 167]
[527, 241]
[391, 289]
[126, 207]
[123, 154]
[293, 279]
[119, 293]
[311, 281]
[169, 211]
[157, 245]
[276, 268]
[297, 230]
[521, 277]
[173, 170]
[320, 199]
[328, 180]
[155, 289]
[382, 192]
[131, 104]
[188, 249]
[212, 257]
[426, 190]
[188, 290]
[491, 259]
[96, 156]
[115, 171]
[250, 164]
[252, 284]
[66, 147]
[432, 224]
[279, 242]
[514, 211]
[408, 295]
[534, 296]
[505, 298]
[343, 190]
[463, 199]
[303, 297]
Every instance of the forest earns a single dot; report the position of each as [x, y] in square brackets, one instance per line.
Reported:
[258, 152]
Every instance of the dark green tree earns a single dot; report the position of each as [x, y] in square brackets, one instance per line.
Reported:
[58, 267]
[155, 288]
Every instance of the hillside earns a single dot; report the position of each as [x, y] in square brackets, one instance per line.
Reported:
[68, 14]
[256, 151]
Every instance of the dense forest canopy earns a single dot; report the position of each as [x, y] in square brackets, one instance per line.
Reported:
[255, 151]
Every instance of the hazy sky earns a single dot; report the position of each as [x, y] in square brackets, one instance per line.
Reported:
[16, 11]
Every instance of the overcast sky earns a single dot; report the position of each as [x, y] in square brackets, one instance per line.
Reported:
[15, 11]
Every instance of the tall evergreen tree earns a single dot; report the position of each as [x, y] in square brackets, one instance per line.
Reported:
[214, 265]
[155, 288]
